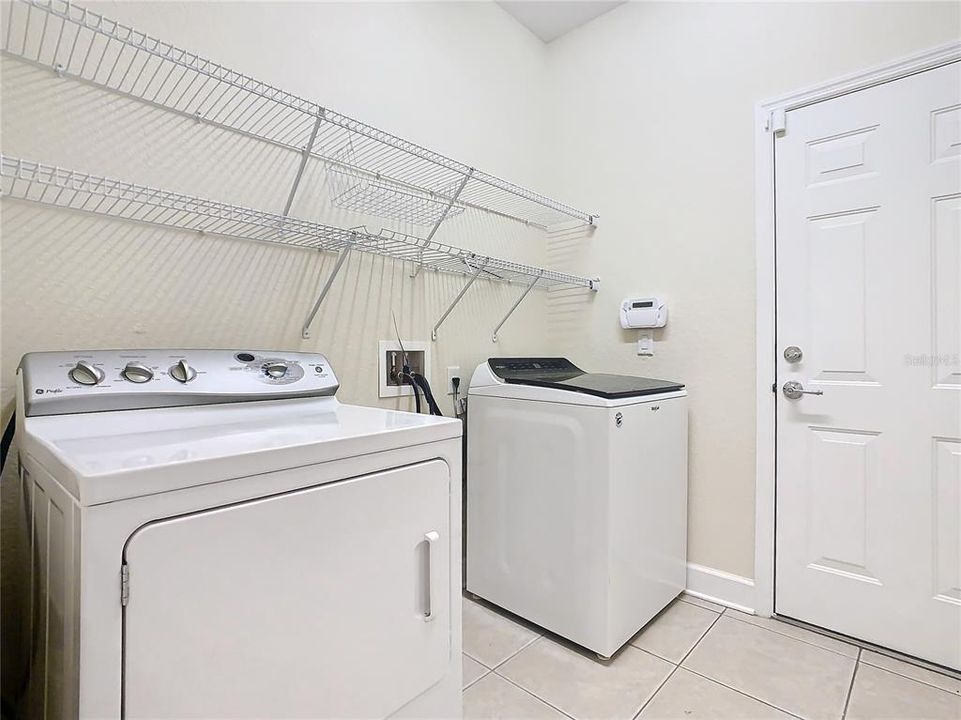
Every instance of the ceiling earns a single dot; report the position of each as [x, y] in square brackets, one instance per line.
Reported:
[549, 19]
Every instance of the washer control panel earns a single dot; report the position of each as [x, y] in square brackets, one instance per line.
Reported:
[58, 383]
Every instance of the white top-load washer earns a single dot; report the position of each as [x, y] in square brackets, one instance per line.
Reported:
[214, 535]
[576, 497]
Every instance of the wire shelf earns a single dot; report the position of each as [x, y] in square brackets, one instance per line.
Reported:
[50, 185]
[84, 45]
[354, 191]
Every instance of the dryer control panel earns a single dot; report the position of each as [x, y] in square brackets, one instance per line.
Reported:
[58, 383]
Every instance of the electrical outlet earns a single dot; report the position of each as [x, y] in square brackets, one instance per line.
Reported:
[645, 344]
[453, 371]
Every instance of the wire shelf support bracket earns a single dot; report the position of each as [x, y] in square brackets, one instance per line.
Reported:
[450, 203]
[480, 268]
[304, 157]
[516, 304]
[341, 260]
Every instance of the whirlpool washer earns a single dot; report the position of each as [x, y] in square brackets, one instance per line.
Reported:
[576, 497]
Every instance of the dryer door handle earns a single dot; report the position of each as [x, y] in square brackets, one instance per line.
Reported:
[431, 538]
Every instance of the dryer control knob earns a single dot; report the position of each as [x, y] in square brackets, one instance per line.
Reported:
[275, 369]
[86, 373]
[137, 373]
[182, 372]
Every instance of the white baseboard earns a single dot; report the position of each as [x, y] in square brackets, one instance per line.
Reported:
[721, 587]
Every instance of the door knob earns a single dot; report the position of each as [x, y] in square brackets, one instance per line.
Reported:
[793, 390]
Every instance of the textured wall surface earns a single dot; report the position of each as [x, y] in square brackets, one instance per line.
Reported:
[654, 106]
[462, 79]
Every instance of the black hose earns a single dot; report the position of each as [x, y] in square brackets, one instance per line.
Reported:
[7, 709]
[428, 395]
[7, 440]
[413, 383]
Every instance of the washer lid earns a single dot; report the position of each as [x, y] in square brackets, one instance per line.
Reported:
[107, 456]
[562, 374]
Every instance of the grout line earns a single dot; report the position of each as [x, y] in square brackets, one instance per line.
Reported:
[955, 693]
[912, 664]
[656, 691]
[847, 700]
[718, 682]
[742, 692]
[487, 672]
[794, 637]
[475, 659]
[676, 665]
[519, 650]
[529, 692]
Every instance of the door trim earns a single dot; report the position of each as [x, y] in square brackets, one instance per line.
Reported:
[768, 118]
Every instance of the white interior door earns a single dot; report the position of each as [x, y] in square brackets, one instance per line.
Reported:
[868, 199]
[311, 604]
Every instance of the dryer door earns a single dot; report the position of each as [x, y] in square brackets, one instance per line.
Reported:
[332, 601]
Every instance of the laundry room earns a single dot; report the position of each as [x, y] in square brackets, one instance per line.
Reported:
[480, 359]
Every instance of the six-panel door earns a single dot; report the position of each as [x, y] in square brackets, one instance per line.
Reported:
[869, 288]
[324, 602]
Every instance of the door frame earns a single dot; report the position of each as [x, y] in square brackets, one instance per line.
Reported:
[769, 124]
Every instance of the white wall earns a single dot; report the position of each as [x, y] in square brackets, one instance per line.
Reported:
[652, 105]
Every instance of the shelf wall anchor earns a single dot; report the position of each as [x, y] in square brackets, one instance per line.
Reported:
[473, 277]
[517, 302]
[418, 265]
[305, 331]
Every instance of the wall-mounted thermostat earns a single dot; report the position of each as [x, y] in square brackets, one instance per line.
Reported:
[645, 312]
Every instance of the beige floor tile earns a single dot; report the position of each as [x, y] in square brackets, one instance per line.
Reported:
[945, 682]
[583, 687]
[689, 696]
[879, 694]
[808, 636]
[675, 631]
[473, 670]
[706, 604]
[493, 698]
[491, 638]
[792, 675]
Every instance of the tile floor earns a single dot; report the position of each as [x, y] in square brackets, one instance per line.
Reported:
[695, 660]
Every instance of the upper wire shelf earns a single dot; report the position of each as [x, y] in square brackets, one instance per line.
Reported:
[51, 185]
[430, 187]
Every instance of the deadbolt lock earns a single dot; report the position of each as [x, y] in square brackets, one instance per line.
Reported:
[793, 354]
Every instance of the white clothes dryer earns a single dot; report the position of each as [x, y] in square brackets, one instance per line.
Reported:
[214, 535]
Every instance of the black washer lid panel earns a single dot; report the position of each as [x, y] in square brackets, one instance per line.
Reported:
[562, 374]
[534, 368]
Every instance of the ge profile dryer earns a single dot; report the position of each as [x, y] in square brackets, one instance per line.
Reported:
[214, 535]
[576, 497]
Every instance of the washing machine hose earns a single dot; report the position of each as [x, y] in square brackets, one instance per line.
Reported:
[428, 395]
[7, 440]
[413, 383]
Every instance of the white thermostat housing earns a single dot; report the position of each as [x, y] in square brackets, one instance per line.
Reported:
[643, 312]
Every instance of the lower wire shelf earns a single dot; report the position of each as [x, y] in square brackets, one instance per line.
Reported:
[69, 189]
